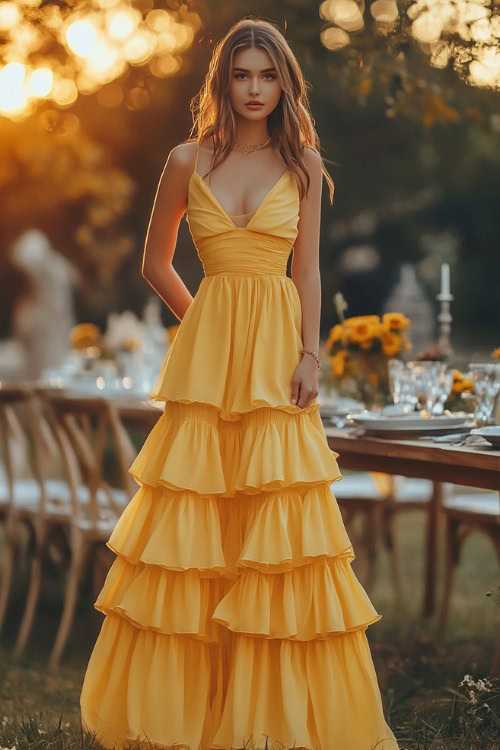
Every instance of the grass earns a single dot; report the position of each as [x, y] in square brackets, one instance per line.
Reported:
[427, 702]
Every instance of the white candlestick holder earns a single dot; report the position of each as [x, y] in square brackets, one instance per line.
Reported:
[445, 320]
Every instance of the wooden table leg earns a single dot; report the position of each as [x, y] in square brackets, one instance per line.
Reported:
[431, 557]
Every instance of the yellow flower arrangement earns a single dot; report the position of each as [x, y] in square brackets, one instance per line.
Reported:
[496, 353]
[369, 332]
[359, 347]
[84, 335]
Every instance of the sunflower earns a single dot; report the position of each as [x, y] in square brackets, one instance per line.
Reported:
[391, 343]
[395, 321]
[362, 332]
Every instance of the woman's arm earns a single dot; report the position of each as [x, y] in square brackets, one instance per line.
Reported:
[168, 209]
[305, 274]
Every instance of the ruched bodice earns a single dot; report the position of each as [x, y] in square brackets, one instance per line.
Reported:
[263, 246]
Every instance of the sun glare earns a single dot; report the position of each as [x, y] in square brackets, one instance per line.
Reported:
[96, 42]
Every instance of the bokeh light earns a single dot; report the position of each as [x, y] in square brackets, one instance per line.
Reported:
[91, 45]
[463, 33]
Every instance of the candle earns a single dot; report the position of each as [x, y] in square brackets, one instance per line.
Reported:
[445, 278]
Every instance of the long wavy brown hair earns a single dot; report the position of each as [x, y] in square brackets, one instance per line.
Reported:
[290, 125]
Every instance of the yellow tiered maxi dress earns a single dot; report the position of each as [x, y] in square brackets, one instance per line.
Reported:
[232, 615]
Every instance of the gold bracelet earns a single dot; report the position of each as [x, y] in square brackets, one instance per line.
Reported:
[315, 355]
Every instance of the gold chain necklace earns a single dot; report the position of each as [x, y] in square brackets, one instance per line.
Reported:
[248, 149]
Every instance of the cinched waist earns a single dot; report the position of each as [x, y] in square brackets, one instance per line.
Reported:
[256, 255]
[244, 272]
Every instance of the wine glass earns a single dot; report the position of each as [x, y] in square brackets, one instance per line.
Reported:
[395, 368]
[486, 378]
[425, 377]
[444, 383]
[402, 385]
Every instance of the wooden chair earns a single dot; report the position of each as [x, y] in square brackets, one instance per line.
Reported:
[81, 427]
[28, 500]
[377, 499]
[479, 511]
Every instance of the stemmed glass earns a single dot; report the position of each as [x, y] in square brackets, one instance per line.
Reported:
[486, 378]
[444, 383]
[402, 385]
[424, 376]
[433, 381]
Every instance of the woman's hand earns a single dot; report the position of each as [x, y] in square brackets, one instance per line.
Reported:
[305, 381]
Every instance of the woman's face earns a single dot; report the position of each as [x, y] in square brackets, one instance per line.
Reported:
[254, 78]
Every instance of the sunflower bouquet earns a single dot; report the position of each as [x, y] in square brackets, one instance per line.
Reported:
[358, 349]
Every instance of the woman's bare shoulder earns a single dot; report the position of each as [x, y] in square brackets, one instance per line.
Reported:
[312, 159]
[183, 156]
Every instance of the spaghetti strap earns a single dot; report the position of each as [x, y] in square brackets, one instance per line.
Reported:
[197, 154]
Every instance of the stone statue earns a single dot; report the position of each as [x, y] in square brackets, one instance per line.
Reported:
[43, 321]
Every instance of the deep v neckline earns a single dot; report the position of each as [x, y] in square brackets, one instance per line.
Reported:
[224, 213]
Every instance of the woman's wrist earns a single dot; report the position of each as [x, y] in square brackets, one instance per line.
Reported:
[311, 353]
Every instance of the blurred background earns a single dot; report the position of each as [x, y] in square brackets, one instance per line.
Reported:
[94, 94]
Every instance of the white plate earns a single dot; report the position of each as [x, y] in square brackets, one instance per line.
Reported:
[491, 434]
[424, 429]
[405, 422]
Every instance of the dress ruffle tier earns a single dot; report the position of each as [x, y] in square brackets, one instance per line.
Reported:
[232, 612]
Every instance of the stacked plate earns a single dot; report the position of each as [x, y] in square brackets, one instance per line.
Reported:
[411, 425]
[337, 406]
[491, 434]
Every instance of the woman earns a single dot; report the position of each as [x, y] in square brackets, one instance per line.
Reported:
[233, 618]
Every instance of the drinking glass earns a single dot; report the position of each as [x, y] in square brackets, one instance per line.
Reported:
[444, 383]
[402, 385]
[425, 376]
[486, 378]
[395, 368]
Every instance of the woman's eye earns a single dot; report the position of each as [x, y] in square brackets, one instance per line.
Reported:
[268, 76]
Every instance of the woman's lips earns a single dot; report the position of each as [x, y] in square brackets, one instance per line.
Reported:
[254, 106]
